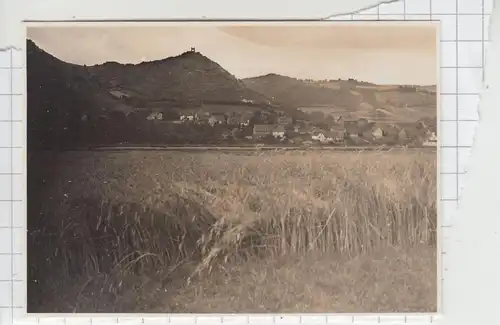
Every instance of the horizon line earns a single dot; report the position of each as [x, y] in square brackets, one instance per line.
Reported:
[251, 77]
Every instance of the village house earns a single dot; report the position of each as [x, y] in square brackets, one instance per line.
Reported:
[340, 121]
[245, 119]
[321, 137]
[430, 141]
[279, 131]
[378, 133]
[262, 130]
[285, 120]
[351, 127]
[338, 132]
[155, 116]
[217, 119]
[118, 94]
[403, 135]
[188, 117]
[391, 131]
[303, 123]
[367, 135]
[362, 123]
[233, 120]
[203, 119]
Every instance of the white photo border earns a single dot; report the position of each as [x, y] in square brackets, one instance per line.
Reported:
[464, 39]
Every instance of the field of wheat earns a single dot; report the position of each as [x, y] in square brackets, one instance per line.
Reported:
[233, 232]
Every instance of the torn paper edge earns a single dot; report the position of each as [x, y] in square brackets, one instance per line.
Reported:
[481, 106]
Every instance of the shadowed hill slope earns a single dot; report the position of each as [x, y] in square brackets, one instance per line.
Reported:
[187, 78]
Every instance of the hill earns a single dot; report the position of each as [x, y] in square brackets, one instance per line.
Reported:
[349, 98]
[61, 94]
[57, 94]
[186, 79]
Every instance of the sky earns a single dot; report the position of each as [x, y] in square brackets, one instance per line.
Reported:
[382, 53]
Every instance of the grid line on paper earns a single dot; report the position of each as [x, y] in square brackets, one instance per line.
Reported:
[11, 189]
[458, 91]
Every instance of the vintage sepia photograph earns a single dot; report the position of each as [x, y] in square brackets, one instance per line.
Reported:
[232, 167]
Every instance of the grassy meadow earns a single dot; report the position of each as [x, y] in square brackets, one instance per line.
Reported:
[232, 232]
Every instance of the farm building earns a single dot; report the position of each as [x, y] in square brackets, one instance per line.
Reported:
[285, 120]
[362, 123]
[217, 119]
[279, 131]
[351, 127]
[188, 117]
[233, 120]
[155, 116]
[431, 140]
[262, 130]
[203, 119]
[339, 129]
[245, 119]
[403, 135]
[378, 133]
[118, 94]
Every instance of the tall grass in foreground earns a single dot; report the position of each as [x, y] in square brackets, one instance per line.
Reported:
[145, 211]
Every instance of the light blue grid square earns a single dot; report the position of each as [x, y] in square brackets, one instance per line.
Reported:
[448, 136]
[5, 214]
[470, 28]
[5, 193]
[18, 155]
[5, 113]
[418, 17]
[417, 7]
[18, 136]
[448, 107]
[448, 160]
[470, 80]
[463, 158]
[448, 27]
[393, 8]
[443, 6]
[448, 186]
[447, 212]
[468, 107]
[469, 7]
[4, 82]
[5, 60]
[466, 132]
[18, 108]
[470, 54]
[18, 187]
[448, 80]
[18, 214]
[18, 84]
[5, 160]
[6, 269]
[448, 54]
[6, 296]
[5, 241]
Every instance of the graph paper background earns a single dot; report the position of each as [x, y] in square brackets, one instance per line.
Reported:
[463, 43]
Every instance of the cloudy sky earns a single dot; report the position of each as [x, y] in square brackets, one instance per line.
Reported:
[383, 53]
